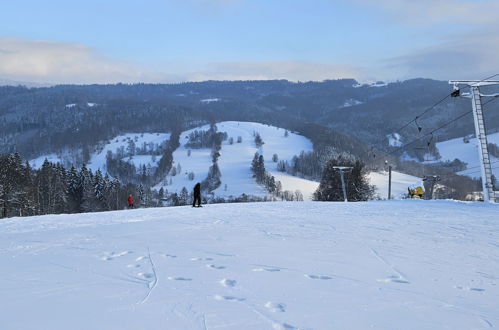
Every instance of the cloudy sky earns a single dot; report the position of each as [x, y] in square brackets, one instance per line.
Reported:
[106, 41]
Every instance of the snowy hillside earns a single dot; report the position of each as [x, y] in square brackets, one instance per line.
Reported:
[400, 183]
[149, 141]
[382, 265]
[122, 144]
[468, 153]
[235, 159]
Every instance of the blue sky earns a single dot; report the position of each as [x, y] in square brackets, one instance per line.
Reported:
[179, 40]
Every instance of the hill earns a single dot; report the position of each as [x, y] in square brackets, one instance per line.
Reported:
[191, 163]
[385, 265]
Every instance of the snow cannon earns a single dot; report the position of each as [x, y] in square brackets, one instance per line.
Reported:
[416, 191]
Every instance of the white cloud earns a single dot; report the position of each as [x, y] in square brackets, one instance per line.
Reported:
[62, 62]
[438, 11]
[290, 70]
[469, 56]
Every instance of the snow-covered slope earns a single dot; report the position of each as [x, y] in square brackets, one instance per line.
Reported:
[400, 183]
[98, 159]
[468, 153]
[235, 159]
[381, 265]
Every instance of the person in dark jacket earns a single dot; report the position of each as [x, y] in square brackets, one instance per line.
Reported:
[130, 201]
[197, 195]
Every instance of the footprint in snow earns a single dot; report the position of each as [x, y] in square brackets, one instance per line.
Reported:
[215, 266]
[145, 275]
[266, 269]
[228, 283]
[283, 326]
[394, 279]
[168, 255]
[171, 278]
[133, 266]
[318, 277]
[141, 258]
[275, 307]
[110, 256]
[201, 259]
[228, 298]
[468, 288]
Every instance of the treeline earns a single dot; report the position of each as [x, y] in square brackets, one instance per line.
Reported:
[273, 186]
[206, 139]
[311, 164]
[52, 189]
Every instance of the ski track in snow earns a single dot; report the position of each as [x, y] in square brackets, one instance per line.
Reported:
[378, 266]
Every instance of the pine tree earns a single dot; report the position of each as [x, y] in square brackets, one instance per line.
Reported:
[183, 198]
[356, 181]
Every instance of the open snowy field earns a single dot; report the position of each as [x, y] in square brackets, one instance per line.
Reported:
[383, 265]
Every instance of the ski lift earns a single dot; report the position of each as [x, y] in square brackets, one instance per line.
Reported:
[418, 126]
[428, 151]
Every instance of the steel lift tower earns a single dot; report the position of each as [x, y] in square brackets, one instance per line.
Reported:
[489, 195]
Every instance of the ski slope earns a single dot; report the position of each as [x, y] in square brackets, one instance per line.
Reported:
[409, 264]
[235, 159]
[468, 153]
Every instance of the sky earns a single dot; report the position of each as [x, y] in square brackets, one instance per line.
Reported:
[163, 41]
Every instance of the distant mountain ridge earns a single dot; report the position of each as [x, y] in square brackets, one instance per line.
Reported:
[37, 121]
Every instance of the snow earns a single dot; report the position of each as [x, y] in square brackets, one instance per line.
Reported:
[98, 159]
[394, 140]
[468, 153]
[408, 264]
[351, 102]
[91, 104]
[38, 162]
[235, 159]
[400, 183]
[71, 105]
[139, 160]
[209, 100]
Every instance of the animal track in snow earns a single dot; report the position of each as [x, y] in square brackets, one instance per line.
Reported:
[215, 266]
[201, 259]
[275, 307]
[141, 258]
[229, 298]
[171, 278]
[318, 277]
[268, 269]
[228, 283]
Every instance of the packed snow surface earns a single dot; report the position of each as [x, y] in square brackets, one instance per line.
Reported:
[381, 265]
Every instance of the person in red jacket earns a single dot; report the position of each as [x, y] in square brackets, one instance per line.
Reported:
[130, 201]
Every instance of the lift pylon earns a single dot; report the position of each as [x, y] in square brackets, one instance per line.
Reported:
[489, 195]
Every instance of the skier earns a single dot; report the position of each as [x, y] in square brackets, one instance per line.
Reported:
[197, 195]
[130, 202]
